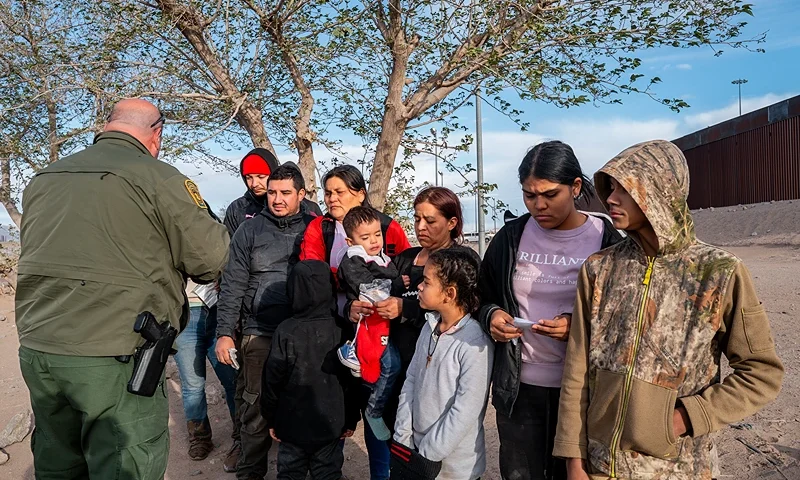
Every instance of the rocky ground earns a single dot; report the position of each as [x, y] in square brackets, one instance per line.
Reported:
[772, 223]
[765, 446]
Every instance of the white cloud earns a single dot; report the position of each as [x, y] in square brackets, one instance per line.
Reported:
[668, 56]
[680, 66]
[705, 119]
[594, 142]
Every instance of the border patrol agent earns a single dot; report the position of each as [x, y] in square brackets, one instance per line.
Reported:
[107, 233]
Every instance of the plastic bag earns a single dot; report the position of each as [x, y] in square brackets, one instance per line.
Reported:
[375, 291]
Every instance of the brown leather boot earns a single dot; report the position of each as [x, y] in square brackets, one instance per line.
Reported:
[229, 465]
[200, 444]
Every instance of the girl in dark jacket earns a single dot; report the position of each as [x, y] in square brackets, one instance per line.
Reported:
[528, 284]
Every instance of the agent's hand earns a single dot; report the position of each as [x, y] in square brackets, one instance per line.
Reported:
[557, 328]
[390, 308]
[502, 327]
[576, 469]
[347, 434]
[272, 434]
[223, 344]
[406, 280]
[359, 308]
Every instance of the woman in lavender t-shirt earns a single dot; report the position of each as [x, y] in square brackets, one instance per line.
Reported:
[528, 282]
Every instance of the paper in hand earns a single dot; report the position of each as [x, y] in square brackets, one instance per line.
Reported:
[208, 294]
[232, 353]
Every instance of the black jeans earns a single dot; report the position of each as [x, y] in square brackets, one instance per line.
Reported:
[256, 441]
[237, 399]
[322, 462]
[526, 438]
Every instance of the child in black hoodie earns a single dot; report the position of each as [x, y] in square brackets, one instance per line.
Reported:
[304, 386]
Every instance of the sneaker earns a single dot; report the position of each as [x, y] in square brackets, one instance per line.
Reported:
[347, 355]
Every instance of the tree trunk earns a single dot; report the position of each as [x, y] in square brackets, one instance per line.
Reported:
[191, 23]
[52, 128]
[5, 191]
[250, 118]
[304, 137]
[395, 113]
[309, 168]
[393, 128]
[13, 211]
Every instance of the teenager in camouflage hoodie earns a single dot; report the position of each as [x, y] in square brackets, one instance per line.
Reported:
[641, 390]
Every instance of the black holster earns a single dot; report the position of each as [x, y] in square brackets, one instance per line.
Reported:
[150, 359]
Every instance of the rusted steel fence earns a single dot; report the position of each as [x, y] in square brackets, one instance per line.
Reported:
[750, 159]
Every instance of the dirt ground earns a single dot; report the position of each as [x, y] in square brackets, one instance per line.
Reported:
[765, 446]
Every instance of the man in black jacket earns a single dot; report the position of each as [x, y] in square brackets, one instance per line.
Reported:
[306, 393]
[255, 169]
[253, 288]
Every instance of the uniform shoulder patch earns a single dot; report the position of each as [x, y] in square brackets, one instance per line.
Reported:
[194, 193]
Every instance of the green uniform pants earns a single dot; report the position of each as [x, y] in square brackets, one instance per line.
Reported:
[88, 425]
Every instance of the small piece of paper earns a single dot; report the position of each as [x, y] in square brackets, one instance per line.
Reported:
[232, 353]
[207, 294]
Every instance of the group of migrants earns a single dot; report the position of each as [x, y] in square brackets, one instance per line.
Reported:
[599, 340]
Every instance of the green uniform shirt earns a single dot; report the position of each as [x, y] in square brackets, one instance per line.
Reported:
[107, 233]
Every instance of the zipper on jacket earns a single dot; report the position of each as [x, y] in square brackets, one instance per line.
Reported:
[615, 439]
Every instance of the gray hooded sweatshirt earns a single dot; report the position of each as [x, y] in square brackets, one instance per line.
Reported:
[443, 401]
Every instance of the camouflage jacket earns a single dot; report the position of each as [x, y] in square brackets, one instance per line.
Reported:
[647, 335]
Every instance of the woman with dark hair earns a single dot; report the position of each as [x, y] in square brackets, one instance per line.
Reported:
[438, 224]
[528, 284]
[325, 240]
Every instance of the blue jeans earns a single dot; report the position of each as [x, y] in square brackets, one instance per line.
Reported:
[194, 345]
[378, 452]
[391, 364]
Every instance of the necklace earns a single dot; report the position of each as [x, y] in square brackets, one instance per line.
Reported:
[434, 333]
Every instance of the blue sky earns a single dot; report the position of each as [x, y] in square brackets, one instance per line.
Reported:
[597, 133]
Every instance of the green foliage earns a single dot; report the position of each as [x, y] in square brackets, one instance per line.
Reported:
[414, 64]
[400, 200]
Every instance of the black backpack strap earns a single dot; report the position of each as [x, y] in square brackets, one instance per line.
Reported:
[386, 221]
[328, 236]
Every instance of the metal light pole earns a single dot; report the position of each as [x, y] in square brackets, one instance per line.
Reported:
[740, 82]
[481, 201]
[476, 215]
[435, 158]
